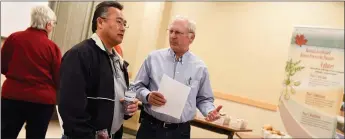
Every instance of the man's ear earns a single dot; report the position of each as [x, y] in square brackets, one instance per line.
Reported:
[192, 37]
[99, 22]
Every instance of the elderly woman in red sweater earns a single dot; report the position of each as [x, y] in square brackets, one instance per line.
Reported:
[31, 63]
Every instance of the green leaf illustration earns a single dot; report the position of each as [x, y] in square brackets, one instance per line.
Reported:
[293, 91]
[297, 83]
[299, 61]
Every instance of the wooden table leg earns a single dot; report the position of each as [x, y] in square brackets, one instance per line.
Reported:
[231, 135]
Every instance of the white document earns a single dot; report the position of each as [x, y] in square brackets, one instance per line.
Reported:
[175, 94]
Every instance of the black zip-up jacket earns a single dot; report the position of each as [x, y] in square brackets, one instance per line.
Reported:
[86, 73]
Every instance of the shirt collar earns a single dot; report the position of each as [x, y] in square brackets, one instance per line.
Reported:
[100, 44]
[182, 58]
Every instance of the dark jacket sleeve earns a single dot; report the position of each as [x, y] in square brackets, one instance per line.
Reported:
[73, 98]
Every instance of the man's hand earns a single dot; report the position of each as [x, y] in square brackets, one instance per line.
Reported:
[103, 135]
[214, 115]
[132, 108]
[156, 99]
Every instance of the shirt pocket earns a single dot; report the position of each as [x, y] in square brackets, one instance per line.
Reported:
[194, 84]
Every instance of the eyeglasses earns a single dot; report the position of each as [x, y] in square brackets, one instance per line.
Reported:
[120, 22]
[53, 22]
[178, 33]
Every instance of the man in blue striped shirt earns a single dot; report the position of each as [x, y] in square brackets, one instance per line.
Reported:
[183, 66]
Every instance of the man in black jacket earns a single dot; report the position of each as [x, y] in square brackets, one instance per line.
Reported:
[93, 80]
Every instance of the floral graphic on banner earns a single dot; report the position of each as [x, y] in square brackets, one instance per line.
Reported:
[291, 69]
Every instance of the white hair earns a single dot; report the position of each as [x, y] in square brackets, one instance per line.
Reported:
[191, 24]
[41, 16]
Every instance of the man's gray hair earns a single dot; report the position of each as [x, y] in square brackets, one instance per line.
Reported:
[191, 24]
[41, 16]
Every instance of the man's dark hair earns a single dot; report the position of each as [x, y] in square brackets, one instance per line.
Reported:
[101, 11]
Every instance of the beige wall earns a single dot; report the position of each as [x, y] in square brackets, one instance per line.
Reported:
[245, 45]
[144, 22]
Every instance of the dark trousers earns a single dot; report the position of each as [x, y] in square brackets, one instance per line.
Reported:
[151, 129]
[118, 134]
[15, 113]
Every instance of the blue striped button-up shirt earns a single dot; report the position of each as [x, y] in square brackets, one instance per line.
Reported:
[188, 70]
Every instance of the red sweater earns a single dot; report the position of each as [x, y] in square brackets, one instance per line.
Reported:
[31, 64]
[119, 50]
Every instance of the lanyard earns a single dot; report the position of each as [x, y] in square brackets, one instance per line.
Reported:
[113, 61]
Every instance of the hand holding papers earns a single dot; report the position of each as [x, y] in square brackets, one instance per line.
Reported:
[156, 99]
[175, 94]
